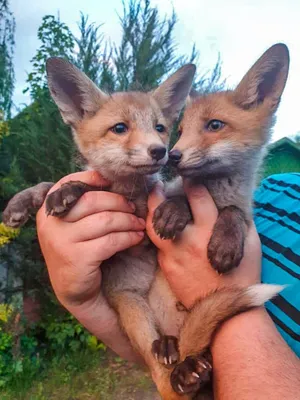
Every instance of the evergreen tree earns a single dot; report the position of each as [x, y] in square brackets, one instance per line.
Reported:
[147, 51]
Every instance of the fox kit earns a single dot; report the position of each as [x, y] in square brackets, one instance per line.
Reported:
[222, 142]
[125, 136]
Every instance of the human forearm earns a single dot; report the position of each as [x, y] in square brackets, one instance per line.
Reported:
[251, 360]
[99, 319]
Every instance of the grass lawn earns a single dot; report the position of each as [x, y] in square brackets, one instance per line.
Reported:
[84, 376]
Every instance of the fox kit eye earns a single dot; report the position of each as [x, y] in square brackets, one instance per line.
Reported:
[119, 128]
[215, 125]
[160, 128]
[179, 132]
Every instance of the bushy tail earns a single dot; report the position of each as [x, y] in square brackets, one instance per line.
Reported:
[208, 314]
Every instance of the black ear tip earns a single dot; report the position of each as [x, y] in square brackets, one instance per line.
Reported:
[281, 49]
[191, 67]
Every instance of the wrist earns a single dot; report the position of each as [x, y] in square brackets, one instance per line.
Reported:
[102, 321]
[93, 313]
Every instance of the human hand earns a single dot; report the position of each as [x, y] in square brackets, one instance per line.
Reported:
[184, 261]
[98, 226]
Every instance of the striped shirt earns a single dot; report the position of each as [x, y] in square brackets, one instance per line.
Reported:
[277, 219]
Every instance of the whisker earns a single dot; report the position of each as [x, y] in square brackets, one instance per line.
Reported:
[145, 184]
[117, 170]
[133, 187]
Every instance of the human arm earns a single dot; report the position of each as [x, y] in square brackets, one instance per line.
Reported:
[98, 226]
[251, 360]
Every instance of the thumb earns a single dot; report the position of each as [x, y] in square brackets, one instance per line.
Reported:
[203, 208]
[156, 197]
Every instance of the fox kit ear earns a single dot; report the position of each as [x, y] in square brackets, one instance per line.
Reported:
[74, 93]
[266, 80]
[172, 94]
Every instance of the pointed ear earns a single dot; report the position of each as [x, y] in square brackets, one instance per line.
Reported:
[171, 95]
[266, 80]
[74, 93]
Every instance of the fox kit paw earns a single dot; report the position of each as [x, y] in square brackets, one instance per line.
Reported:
[171, 217]
[21, 205]
[15, 216]
[224, 252]
[165, 350]
[226, 246]
[191, 374]
[60, 202]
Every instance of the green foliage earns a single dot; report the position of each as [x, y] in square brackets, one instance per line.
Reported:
[147, 50]
[7, 234]
[7, 42]
[89, 45]
[24, 349]
[57, 40]
[82, 375]
[280, 162]
[66, 334]
[40, 128]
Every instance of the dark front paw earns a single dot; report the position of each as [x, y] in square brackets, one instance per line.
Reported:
[226, 246]
[165, 350]
[191, 374]
[23, 203]
[60, 202]
[224, 253]
[15, 215]
[171, 217]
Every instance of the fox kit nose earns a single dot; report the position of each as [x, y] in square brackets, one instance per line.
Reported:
[157, 153]
[175, 156]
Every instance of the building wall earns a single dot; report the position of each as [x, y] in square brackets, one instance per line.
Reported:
[281, 160]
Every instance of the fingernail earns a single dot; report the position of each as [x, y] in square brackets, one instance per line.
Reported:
[140, 233]
[142, 222]
[131, 205]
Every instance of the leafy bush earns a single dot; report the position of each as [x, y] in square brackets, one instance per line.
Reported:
[26, 350]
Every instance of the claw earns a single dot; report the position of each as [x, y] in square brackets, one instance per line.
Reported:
[205, 366]
[180, 388]
[195, 375]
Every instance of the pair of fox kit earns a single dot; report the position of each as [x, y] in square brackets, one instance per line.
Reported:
[125, 137]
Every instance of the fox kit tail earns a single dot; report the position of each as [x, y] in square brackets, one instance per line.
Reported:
[208, 314]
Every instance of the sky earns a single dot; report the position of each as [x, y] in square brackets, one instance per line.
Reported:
[240, 30]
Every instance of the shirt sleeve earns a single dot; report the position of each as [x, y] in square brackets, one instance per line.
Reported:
[277, 219]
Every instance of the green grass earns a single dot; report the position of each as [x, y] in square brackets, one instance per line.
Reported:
[83, 376]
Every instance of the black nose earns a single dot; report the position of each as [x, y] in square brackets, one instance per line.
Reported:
[157, 153]
[175, 156]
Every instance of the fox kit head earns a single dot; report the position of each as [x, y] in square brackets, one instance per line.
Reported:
[221, 132]
[123, 133]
